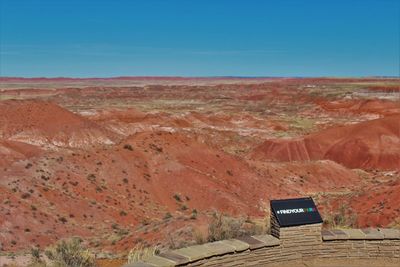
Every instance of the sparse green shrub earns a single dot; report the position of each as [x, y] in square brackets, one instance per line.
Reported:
[91, 177]
[194, 214]
[156, 148]
[115, 226]
[67, 253]
[145, 221]
[25, 195]
[177, 198]
[35, 253]
[167, 216]
[36, 260]
[128, 147]
[27, 166]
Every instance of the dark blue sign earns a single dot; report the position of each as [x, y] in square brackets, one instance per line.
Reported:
[295, 212]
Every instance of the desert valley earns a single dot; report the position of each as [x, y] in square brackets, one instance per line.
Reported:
[151, 160]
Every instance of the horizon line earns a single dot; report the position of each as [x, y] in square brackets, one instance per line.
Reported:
[189, 77]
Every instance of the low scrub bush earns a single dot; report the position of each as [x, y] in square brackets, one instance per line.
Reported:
[225, 227]
[128, 147]
[67, 253]
[141, 253]
[343, 218]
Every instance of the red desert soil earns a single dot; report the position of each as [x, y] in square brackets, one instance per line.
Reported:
[48, 195]
[370, 144]
[130, 160]
[379, 205]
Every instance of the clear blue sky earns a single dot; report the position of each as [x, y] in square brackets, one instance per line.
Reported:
[98, 38]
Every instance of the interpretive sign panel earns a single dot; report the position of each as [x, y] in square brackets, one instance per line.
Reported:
[294, 212]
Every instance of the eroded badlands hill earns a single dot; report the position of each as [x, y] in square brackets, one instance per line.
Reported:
[44, 123]
[366, 145]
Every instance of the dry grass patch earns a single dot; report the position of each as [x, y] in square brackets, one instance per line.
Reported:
[141, 253]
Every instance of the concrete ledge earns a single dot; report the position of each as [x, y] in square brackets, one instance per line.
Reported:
[261, 250]
[390, 233]
[160, 261]
[269, 240]
[238, 245]
[139, 264]
[194, 253]
[335, 234]
[372, 234]
[219, 248]
[261, 241]
[153, 261]
[179, 259]
[327, 235]
[354, 234]
[360, 234]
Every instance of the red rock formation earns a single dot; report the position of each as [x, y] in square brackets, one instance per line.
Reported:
[370, 144]
[44, 123]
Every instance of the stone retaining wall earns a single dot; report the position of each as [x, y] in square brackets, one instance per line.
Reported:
[305, 242]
